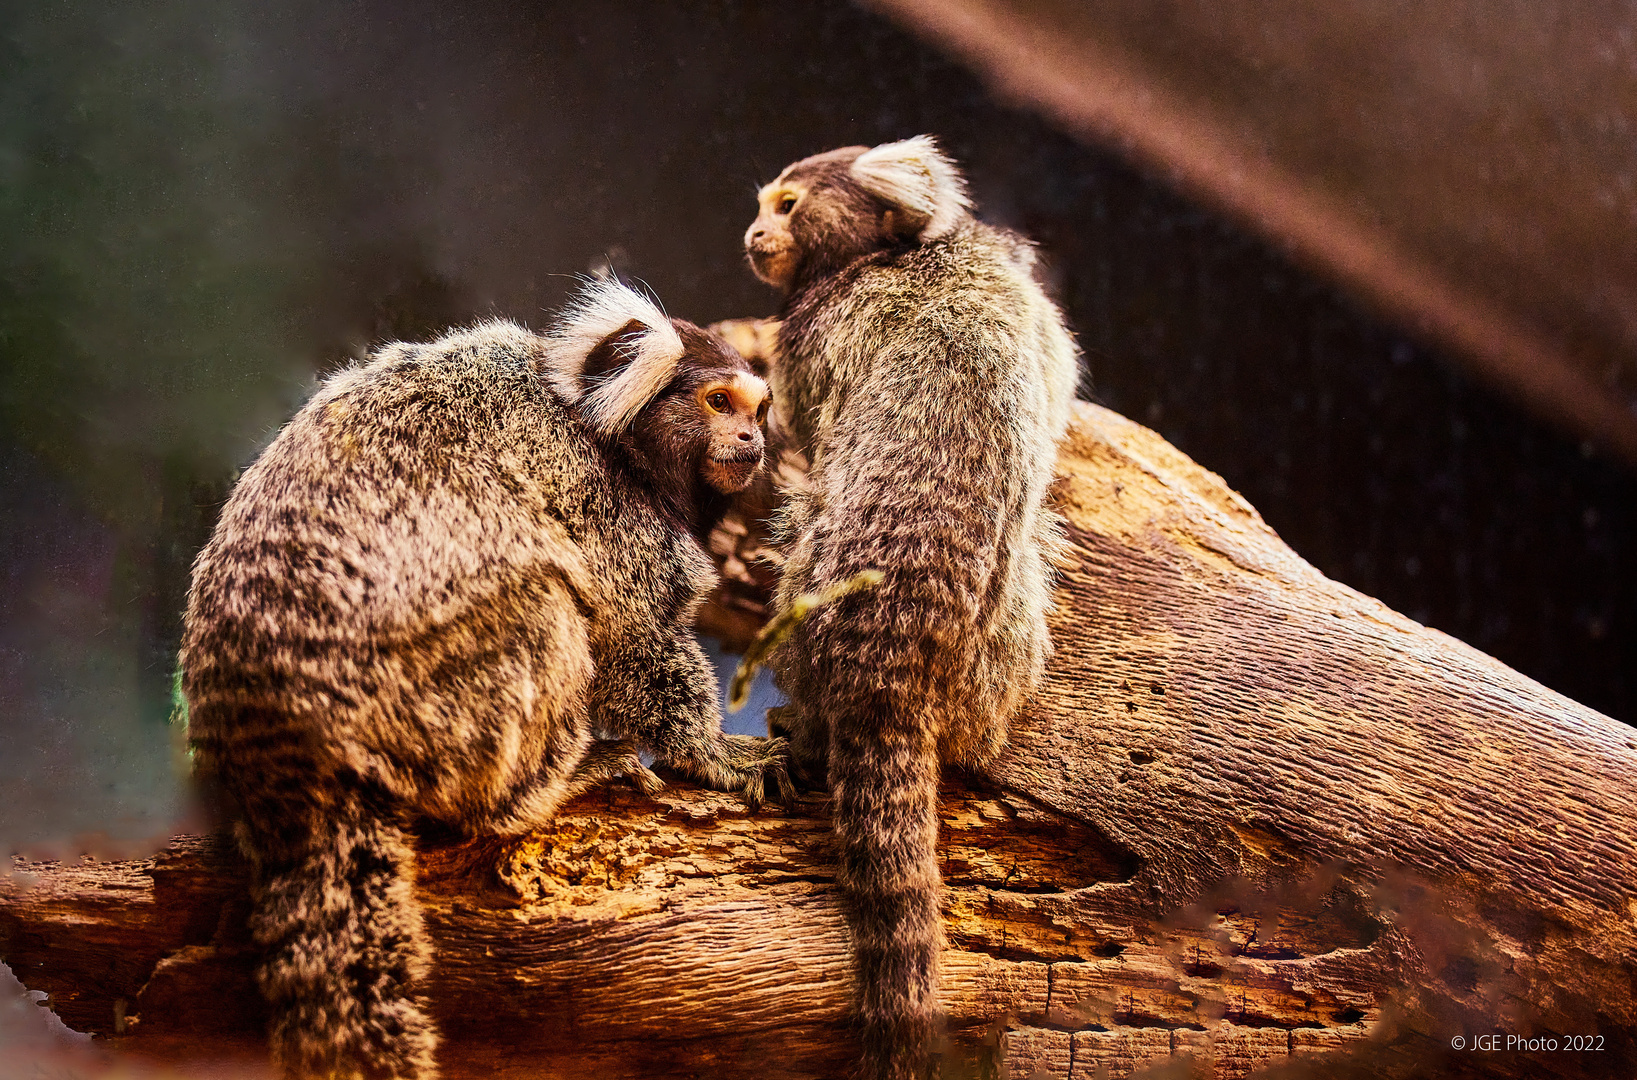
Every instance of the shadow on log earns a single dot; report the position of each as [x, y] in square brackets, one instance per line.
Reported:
[1254, 822]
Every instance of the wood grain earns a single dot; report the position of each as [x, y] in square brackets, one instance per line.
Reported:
[1253, 822]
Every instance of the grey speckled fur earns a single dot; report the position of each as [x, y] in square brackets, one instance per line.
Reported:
[426, 600]
[929, 380]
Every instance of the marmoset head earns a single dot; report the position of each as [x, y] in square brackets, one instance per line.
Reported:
[827, 210]
[678, 396]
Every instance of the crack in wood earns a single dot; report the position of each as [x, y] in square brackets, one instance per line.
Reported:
[1335, 837]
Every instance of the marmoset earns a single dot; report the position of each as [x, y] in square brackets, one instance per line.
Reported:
[454, 571]
[928, 378]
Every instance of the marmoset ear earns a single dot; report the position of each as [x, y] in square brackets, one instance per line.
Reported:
[915, 176]
[612, 351]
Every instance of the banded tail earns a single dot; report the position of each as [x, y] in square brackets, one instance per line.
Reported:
[344, 951]
[884, 779]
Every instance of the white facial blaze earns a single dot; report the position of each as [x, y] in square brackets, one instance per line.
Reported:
[915, 175]
[749, 391]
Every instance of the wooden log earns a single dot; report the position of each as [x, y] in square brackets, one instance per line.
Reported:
[1254, 822]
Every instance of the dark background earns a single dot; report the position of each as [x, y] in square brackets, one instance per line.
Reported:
[202, 209]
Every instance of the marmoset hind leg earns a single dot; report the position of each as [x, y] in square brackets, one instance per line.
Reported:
[673, 710]
[609, 760]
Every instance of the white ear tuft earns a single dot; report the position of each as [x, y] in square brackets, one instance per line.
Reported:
[601, 309]
[915, 175]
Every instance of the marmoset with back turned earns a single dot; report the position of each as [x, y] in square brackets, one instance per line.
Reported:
[458, 568]
[928, 378]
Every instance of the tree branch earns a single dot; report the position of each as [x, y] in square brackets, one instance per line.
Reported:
[1253, 819]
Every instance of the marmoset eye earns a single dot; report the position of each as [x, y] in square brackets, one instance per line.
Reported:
[787, 204]
[719, 401]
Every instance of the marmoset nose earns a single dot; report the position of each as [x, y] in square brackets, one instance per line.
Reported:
[744, 436]
[757, 234]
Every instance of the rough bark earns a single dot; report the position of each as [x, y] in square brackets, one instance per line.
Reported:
[1254, 822]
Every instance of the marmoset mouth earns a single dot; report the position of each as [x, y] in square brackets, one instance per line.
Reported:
[738, 457]
[771, 264]
[731, 474]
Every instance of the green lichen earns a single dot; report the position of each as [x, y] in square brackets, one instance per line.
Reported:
[774, 633]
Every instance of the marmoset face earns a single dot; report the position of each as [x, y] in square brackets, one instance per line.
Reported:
[770, 244]
[734, 410]
[814, 214]
[710, 417]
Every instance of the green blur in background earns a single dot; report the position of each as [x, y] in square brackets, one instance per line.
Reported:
[204, 207]
[146, 348]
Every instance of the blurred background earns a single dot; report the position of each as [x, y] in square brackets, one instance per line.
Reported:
[1374, 267]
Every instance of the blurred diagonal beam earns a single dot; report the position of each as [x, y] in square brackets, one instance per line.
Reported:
[1469, 173]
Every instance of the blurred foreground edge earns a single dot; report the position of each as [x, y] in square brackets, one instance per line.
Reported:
[1465, 168]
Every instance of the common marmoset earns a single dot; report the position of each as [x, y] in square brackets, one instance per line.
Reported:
[455, 569]
[929, 379]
